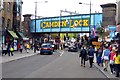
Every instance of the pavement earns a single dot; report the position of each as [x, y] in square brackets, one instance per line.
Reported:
[106, 73]
[18, 55]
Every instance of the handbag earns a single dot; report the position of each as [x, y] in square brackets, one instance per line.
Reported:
[111, 62]
[11, 49]
[86, 58]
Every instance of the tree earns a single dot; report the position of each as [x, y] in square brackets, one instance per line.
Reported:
[101, 32]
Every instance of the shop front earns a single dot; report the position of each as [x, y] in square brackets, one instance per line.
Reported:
[11, 38]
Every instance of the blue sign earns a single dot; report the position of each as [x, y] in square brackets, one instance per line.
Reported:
[112, 34]
[112, 28]
[72, 23]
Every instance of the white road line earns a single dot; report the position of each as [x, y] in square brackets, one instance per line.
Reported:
[61, 53]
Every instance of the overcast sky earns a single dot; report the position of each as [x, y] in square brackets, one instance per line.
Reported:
[53, 7]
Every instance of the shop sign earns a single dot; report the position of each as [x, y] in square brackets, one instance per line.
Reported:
[65, 24]
[96, 44]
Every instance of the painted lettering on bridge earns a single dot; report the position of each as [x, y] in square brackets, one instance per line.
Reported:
[71, 23]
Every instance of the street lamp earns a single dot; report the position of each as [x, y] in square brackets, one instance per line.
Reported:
[90, 15]
[35, 22]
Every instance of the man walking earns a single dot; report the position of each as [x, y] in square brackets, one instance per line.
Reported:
[91, 56]
[83, 55]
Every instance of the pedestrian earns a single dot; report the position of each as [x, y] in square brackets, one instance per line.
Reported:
[91, 55]
[27, 47]
[117, 63]
[8, 49]
[21, 47]
[105, 57]
[4, 49]
[18, 46]
[83, 55]
[112, 53]
[98, 56]
[11, 50]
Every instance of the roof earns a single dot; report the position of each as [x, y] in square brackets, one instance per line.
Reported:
[108, 5]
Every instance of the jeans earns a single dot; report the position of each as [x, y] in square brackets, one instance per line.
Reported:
[83, 61]
[112, 67]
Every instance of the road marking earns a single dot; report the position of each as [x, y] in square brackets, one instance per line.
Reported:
[61, 53]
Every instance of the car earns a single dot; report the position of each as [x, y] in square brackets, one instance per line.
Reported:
[46, 48]
[53, 45]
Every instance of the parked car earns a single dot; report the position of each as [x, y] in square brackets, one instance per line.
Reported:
[46, 48]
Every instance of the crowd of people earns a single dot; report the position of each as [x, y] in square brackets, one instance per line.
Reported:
[8, 48]
[105, 56]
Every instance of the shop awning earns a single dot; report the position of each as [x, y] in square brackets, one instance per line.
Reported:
[13, 34]
[21, 34]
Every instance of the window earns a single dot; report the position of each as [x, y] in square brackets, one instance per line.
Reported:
[3, 22]
[8, 6]
[8, 23]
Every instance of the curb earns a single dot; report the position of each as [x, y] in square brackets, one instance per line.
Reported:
[20, 58]
[101, 71]
[109, 78]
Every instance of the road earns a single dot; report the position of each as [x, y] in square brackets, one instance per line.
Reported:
[61, 64]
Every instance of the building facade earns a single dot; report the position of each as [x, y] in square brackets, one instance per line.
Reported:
[118, 16]
[118, 12]
[109, 14]
[11, 19]
[17, 12]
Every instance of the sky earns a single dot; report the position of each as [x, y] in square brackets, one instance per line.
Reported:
[52, 7]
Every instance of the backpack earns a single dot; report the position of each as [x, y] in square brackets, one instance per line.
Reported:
[84, 51]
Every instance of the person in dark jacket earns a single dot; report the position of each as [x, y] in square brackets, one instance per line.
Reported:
[83, 55]
[91, 56]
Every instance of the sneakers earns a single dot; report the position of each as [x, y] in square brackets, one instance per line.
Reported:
[83, 65]
[104, 69]
[116, 76]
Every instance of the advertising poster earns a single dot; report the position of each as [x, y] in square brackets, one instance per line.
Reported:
[15, 44]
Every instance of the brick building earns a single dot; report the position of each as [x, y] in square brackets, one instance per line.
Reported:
[118, 16]
[11, 19]
[109, 14]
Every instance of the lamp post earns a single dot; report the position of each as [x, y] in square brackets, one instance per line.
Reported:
[90, 15]
[35, 23]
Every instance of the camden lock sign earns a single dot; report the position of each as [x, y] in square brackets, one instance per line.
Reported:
[70, 23]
